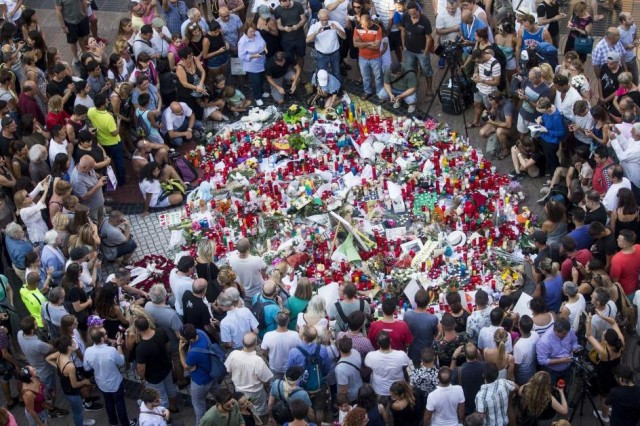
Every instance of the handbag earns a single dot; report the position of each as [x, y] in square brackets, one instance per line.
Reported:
[583, 45]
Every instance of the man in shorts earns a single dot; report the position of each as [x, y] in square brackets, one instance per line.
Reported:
[72, 15]
[291, 18]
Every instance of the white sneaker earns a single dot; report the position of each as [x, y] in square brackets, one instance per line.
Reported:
[396, 104]
[265, 95]
[225, 118]
[259, 102]
[88, 422]
[411, 109]
[604, 419]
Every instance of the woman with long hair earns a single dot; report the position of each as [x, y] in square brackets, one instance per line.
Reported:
[298, 303]
[20, 160]
[315, 316]
[6, 418]
[539, 403]
[97, 51]
[121, 47]
[83, 238]
[556, 224]
[70, 379]
[153, 193]
[407, 407]
[626, 215]
[125, 30]
[33, 73]
[60, 222]
[191, 78]
[608, 357]
[80, 218]
[600, 132]
[107, 307]
[61, 190]
[580, 26]
[37, 45]
[458, 312]
[542, 319]
[356, 417]
[54, 58]
[118, 71]
[505, 38]
[77, 299]
[499, 356]
[227, 278]
[368, 401]
[215, 52]
[550, 289]
[207, 269]
[194, 38]
[122, 109]
[30, 22]
[131, 335]
[33, 396]
[30, 212]
[60, 167]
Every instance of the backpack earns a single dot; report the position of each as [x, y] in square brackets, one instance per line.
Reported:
[142, 130]
[499, 56]
[546, 53]
[312, 379]
[258, 311]
[185, 169]
[281, 409]
[452, 98]
[54, 330]
[217, 370]
[343, 316]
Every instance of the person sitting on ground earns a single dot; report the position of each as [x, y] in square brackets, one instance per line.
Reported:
[281, 70]
[235, 100]
[154, 195]
[116, 242]
[179, 123]
[500, 120]
[327, 88]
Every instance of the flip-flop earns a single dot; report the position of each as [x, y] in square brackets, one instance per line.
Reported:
[472, 126]
[503, 156]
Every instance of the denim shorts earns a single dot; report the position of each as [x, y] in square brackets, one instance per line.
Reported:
[218, 60]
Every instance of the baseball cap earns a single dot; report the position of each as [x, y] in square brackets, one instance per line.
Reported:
[613, 56]
[78, 253]
[94, 321]
[6, 120]
[264, 12]
[157, 22]
[323, 78]
[539, 237]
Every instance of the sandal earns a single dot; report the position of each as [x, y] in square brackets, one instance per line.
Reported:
[472, 126]
[502, 156]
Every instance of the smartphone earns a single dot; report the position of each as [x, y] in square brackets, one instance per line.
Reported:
[574, 262]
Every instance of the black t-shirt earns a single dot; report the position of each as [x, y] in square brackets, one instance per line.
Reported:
[5, 145]
[625, 410]
[598, 215]
[604, 247]
[548, 11]
[276, 71]
[153, 353]
[549, 252]
[635, 97]
[609, 80]
[415, 34]
[58, 88]
[196, 311]
[209, 271]
[472, 379]
[289, 18]
[76, 294]
[215, 43]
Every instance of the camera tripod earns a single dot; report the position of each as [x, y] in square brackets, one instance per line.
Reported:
[454, 69]
[581, 381]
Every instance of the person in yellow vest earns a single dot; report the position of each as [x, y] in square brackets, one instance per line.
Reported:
[108, 135]
[33, 297]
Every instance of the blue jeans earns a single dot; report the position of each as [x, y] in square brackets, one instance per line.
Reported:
[368, 67]
[116, 407]
[199, 398]
[409, 100]
[166, 389]
[126, 248]
[332, 60]
[412, 59]
[256, 79]
[75, 402]
[116, 152]
[185, 125]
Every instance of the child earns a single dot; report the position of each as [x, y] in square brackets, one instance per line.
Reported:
[174, 47]
[235, 100]
[151, 412]
[342, 401]
[147, 121]
[385, 49]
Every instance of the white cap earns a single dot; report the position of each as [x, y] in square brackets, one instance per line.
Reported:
[323, 78]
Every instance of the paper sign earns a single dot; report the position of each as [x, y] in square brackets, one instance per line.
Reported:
[236, 66]
[410, 291]
[395, 233]
[170, 219]
[422, 256]
[111, 176]
[329, 293]
[413, 245]
[522, 307]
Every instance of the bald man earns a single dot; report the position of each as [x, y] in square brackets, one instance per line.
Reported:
[179, 123]
[195, 307]
[87, 186]
[326, 35]
[610, 42]
[249, 373]
[251, 270]
[266, 306]
[27, 102]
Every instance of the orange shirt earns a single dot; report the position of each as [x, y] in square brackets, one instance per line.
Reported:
[372, 34]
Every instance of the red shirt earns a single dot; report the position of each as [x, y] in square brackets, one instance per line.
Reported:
[398, 332]
[582, 256]
[28, 105]
[374, 33]
[625, 268]
[56, 119]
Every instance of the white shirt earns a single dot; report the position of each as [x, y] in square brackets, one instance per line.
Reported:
[575, 309]
[524, 351]
[443, 401]
[85, 275]
[56, 148]
[279, 345]
[326, 41]
[235, 325]
[179, 284]
[151, 416]
[444, 20]
[598, 325]
[248, 371]
[636, 302]
[441, 7]
[386, 369]
[485, 339]
[628, 153]
[566, 107]
[32, 219]
[172, 121]
[610, 200]
[10, 5]
[151, 187]
[160, 45]
[382, 9]
[249, 272]
[339, 14]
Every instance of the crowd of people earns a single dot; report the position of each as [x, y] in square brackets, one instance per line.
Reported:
[247, 350]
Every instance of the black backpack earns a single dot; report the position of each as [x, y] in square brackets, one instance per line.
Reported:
[452, 98]
[281, 409]
[258, 311]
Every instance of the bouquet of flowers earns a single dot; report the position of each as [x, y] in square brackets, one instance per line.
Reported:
[150, 270]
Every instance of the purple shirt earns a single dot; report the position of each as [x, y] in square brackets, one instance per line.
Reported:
[549, 347]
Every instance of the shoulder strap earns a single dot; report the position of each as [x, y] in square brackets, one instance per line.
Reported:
[317, 351]
[460, 375]
[402, 76]
[347, 362]
[362, 305]
[302, 351]
[343, 317]
[46, 308]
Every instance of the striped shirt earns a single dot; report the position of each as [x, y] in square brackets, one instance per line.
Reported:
[493, 400]
[602, 49]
